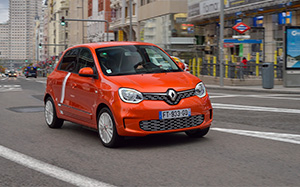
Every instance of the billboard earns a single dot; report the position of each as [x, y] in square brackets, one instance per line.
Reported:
[198, 8]
[292, 48]
[237, 3]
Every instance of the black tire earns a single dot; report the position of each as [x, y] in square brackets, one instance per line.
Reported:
[50, 115]
[107, 129]
[197, 133]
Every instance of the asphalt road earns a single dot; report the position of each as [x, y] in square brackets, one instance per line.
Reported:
[254, 141]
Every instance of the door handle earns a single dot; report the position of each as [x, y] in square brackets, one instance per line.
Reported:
[74, 85]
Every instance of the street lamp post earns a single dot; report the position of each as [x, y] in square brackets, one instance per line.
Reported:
[130, 20]
[221, 47]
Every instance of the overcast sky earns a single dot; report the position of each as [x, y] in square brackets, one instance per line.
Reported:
[4, 10]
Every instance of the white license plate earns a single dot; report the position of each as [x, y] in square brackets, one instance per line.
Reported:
[170, 114]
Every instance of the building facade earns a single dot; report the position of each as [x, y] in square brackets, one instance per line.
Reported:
[77, 30]
[265, 18]
[4, 41]
[164, 22]
[98, 31]
[57, 35]
[121, 21]
[22, 14]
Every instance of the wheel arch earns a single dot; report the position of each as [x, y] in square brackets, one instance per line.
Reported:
[100, 106]
[46, 97]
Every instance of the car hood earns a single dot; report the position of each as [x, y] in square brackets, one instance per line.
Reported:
[158, 82]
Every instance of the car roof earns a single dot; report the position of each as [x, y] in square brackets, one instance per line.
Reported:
[110, 44]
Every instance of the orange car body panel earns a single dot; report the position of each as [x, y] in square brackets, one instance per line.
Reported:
[83, 95]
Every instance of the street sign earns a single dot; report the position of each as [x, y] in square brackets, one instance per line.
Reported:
[241, 41]
[241, 36]
[241, 27]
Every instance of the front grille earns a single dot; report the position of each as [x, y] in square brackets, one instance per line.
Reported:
[164, 96]
[171, 124]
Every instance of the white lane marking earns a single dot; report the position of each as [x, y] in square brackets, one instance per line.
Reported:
[44, 82]
[289, 138]
[63, 89]
[272, 96]
[48, 169]
[223, 96]
[254, 108]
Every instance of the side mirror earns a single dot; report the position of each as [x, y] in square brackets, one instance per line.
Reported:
[181, 65]
[87, 72]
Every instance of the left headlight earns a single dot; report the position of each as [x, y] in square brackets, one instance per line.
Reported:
[130, 95]
[200, 90]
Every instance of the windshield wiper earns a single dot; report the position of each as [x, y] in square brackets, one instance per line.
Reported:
[162, 70]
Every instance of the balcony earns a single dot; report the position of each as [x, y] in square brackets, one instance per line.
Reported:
[115, 24]
[64, 4]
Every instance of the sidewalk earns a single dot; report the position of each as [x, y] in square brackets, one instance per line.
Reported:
[253, 84]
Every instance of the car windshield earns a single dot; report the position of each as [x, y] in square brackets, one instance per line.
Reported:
[134, 59]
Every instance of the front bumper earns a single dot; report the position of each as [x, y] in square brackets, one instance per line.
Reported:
[143, 118]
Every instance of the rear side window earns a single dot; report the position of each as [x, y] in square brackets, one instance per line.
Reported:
[85, 59]
[69, 60]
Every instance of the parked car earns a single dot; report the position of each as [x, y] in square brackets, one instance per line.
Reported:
[114, 87]
[178, 60]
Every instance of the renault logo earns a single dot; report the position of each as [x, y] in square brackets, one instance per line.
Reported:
[172, 94]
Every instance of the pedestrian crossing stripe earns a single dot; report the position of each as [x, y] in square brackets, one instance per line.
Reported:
[8, 88]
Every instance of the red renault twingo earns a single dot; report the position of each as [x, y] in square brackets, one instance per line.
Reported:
[126, 89]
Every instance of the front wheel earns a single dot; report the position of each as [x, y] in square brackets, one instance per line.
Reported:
[107, 129]
[50, 115]
[197, 133]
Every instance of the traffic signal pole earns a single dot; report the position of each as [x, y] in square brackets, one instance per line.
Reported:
[88, 20]
[40, 45]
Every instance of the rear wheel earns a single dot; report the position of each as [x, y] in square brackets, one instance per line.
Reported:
[50, 115]
[107, 129]
[197, 133]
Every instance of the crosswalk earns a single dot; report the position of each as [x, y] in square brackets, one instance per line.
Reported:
[10, 88]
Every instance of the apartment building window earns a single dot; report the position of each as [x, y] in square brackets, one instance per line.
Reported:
[133, 9]
[90, 8]
[100, 5]
[113, 14]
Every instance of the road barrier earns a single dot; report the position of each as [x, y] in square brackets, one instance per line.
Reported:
[232, 69]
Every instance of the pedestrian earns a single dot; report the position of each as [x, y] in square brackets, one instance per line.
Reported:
[244, 61]
[241, 66]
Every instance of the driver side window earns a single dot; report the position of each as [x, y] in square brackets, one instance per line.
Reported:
[69, 60]
[85, 59]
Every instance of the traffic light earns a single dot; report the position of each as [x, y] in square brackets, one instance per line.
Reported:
[40, 45]
[26, 60]
[62, 21]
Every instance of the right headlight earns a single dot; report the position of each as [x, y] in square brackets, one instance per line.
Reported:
[130, 95]
[200, 90]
